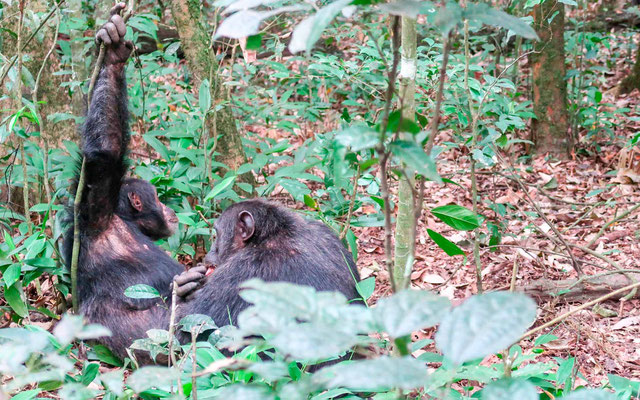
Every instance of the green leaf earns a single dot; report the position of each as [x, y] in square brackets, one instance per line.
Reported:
[76, 391]
[313, 342]
[410, 310]
[457, 217]
[89, 373]
[204, 96]
[484, 324]
[589, 394]
[12, 295]
[27, 394]
[415, 158]
[254, 42]
[141, 291]
[358, 137]
[406, 8]
[11, 274]
[149, 377]
[310, 202]
[510, 389]
[112, 380]
[197, 321]
[366, 287]
[220, 187]
[307, 32]
[490, 16]
[106, 356]
[445, 244]
[374, 375]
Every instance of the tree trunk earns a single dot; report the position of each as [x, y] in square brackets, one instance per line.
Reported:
[405, 219]
[551, 127]
[195, 43]
[632, 81]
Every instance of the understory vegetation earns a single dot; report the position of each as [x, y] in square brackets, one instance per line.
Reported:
[485, 182]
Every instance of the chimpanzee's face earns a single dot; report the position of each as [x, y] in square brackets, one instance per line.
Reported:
[139, 203]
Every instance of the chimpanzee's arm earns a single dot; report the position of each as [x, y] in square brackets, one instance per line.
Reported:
[106, 130]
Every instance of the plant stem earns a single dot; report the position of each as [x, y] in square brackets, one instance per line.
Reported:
[474, 182]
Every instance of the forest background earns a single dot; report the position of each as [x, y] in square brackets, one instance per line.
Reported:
[475, 151]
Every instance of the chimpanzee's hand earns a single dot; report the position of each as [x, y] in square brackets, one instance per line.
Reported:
[190, 281]
[112, 35]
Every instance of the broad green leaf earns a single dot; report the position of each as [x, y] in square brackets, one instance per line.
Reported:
[457, 217]
[510, 389]
[204, 96]
[106, 356]
[445, 244]
[11, 274]
[113, 380]
[358, 137]
[141, 291]
[72, 327]
[374, 375]
[415, 158]
[406, 8]
[490, 16]
[589, 394]
[366, 287]
[246, 23]
[220, 187]
[410, 310]
[307, 32]
[312, 342]
[27, 394]
[89, 373]
[12, 295]
[244, 391]
[76, 391]
[484, 324]
[148, 377]
[199, 322]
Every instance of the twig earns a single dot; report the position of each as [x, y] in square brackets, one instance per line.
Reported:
[172, 329]
[352, 203]
[194, 365]
[45, 156]
[608, 224]
[24, 46]
[474, 182]
[435, 121]
[579, 308]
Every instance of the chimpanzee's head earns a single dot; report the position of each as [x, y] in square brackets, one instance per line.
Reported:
[248, 223]
[139, 203]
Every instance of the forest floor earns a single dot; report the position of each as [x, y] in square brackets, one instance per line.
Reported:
[572, 196]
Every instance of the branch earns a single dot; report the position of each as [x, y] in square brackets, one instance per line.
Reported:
[579, 308]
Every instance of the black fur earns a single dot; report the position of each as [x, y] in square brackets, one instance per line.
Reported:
[116, 250]
[283, 247]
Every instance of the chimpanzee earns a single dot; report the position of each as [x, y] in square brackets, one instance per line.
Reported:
[259, 239]
[118, 218]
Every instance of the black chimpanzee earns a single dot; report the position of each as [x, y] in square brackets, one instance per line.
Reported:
[118, 218]
[259, 239]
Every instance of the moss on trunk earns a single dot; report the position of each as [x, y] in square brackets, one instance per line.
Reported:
[551, 128]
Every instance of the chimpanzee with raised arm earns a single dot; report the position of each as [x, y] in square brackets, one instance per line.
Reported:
[118, 217]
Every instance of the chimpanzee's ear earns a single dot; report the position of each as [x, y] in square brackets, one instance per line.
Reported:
[245, 226]
[135, 201]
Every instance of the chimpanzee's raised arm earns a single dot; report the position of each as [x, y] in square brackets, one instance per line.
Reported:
[106, 129]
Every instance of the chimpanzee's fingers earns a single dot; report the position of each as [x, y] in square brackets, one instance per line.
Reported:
[119, 23]
[186, 289]
[103, 36]
[201, 269]
[113, 32]
[189, 276]
[117, 8]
